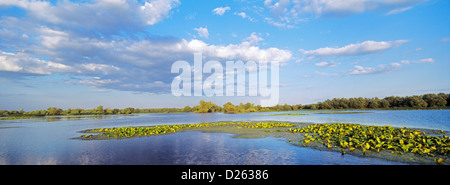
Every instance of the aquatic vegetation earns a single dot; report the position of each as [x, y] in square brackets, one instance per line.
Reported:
[127, 132]
[375, 138]
[17, 117]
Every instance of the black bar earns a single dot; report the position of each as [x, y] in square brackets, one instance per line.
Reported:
[173, 174]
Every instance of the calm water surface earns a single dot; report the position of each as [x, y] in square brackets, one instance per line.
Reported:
[48, 140]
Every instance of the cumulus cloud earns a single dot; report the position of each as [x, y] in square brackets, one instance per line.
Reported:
[220, 10]
[23, 63]
[202, 32]
[254, 39]
[97, 15]
[82, 40]
[366, 47]
[45, 47]
[362, 70]
[245, 51]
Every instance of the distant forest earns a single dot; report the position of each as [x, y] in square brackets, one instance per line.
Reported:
[426, 101]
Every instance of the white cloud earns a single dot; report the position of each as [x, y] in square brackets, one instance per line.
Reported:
[104, 68]
[365, 47]
[405, 62]
[278, 23]
[130, 14]
[21, 62]
[343, 8]
[244, 16]
[221, 10]
[244, 51]
[425, 60]
[398, 10]
[278, 8]
[156, 10]
[8, 62]
[327, 64]
[395, 64]
[254, 39]
[202, 32]
[360, 70]
[70, 38]
[97, 82]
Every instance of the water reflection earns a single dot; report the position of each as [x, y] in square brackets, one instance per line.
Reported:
[188, 148]
[47, 140]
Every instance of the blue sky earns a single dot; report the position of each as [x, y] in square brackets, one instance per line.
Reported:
[118, 53]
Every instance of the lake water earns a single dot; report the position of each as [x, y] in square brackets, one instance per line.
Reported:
[48, 140]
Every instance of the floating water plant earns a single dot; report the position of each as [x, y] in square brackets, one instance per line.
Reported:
[17, 117]
[375, 138]
[127, 132]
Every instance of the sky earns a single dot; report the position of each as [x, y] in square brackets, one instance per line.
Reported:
[119, 53]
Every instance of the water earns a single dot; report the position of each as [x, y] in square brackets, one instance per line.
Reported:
[48, 140]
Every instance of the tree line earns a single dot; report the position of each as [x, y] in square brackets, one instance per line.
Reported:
[426, 101]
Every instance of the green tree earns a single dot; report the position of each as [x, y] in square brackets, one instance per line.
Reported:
[344, 103]
[54, 111]
[434, 100]
[128, 110]
[374, 103]
[384, 103]
[229, 108]
[416, 102]
[187, 108]
[287, 107]
[448, 99]
[208, 107]
[99, 110]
